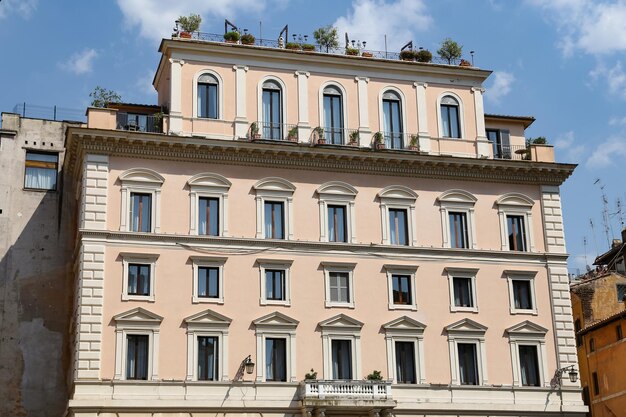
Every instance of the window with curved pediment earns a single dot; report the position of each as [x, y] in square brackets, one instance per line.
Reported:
[274, 200]
[457, 219]
[141, 200]
[209, 204]
[515, 213]
[336, 205]
[397, 209]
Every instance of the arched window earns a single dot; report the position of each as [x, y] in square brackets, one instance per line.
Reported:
[392, 120]
[450, 117]
[333, 115]
[207, 96]
[272, 111]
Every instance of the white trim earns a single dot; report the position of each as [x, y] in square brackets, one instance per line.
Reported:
[220, 94]
[344, 111]
[341, 327]
[212, 186]
[467, 331]
[398, 197]
[515, 204]
[528, 334]
[211, 262]
[141, 259]
[405, 329]
[207, 323]
[457, 201]
[283, 97]
[381, 125]
[275, 264]
[339, 267]
[462, 273]
[341, 194]
[461, 114]
[276, 325]
[521, 276]
[144, 181]
[278, 190]
[392, 270]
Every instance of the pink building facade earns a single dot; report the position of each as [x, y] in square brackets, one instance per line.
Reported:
[296, 213]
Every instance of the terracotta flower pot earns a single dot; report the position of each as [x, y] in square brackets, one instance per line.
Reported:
[186, 35]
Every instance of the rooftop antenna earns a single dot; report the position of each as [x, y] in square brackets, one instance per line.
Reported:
[605, 212]
[593, 233]
[585, 246]
[228, 24]
[620, 213]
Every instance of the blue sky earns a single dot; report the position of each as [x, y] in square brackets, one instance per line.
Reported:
[557, 60]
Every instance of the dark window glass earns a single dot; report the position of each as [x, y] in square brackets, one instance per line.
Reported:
[275, 359]
[521, 294]
[272, 112]
[137, 357]
[398, 229]
[138, 279]
[274, 220]
[596, 385]
[517, 233]
[41, 171]
[208, 282]
[463, 296]
[342, 359]
[468, 363]
[405, 362]
[392, 121]
[592, 345]
[500, 140]
[458, 230]
[621, 292]
[207, 358]
[618, 331]
[529, 365]
[401, 285]
[450, 118]
[208, 216]
[339, 287]
[141, 212]
[333, 116]
[207, 97]
[274, 284]
[579, 339]
[337, 225]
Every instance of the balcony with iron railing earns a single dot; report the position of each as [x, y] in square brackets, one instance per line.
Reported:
[139, 122]
[273, 131]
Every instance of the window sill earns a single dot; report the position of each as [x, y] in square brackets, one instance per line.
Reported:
[331, 304]
[202, 300]
[286, 303]
[529, 312]
[148, 298]
[412, 307]
[40, 190]
[455, 309]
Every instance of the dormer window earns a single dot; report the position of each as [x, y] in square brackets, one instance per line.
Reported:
[208, 96]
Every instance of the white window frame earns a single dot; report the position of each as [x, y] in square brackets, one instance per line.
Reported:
[340, 194]
[522, 276]
[275, 264]
[463, 273]
[144, 181]
[409, 270]
[279, 326]
[137, 321]
[345, 267]
[279, 190]
[341, 327]
[143, 259]
[398, 197]
[457, 201]
[210, 262]
[212, 324]
[405, 329]
[220, 94]
[515, 204]
[467, 331]
[528, 333]
[461, 115]
[381, 116]
[283, 97]
[344, 110]
[212, 186]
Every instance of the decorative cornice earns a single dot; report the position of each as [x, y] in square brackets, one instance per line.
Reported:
[304, 156]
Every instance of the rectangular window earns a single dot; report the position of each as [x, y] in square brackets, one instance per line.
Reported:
[401, 287]
[272, 113]
[522, 296]
[137, 356]
[41, 171]
[207, 100]
[618, 331]
[463, 293]
[275, 359]
[405, 362]
[529, 366]
[138, 279]
[517, 233]
[592, 345]
[458, 230]
[339, 287]
[208, 282]
[274, 284]
[274, 220]
[579, 339]
[337, 225]
[207, 358]
[468, 363]
[208, 216]
[140, 212]
[342, 359]
[398, 230]
[621, 292]
[596, 385]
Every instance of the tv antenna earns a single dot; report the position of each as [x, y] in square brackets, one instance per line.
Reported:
[605, 212]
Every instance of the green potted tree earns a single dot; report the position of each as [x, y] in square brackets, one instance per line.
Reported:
[352, 51]
[326, 37]
[319, 133]
[310, 375]
[293, 134]
[254, 131]
[189, 24]
[407, 55]
[414, 143]
[374, 376]
[354, 138]
[247, 39]
[450, 50]
[232, 36]
[293, 46]
[379, 140]
[308, 47]
[424, 55]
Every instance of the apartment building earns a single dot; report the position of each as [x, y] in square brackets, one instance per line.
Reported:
[292, 222]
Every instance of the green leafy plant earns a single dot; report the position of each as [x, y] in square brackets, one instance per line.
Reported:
[319, 131]
[414, 141]
[326, 37]
[308, 47]
[374, 376]
[352, 51]
[378, 138]
[540, 140]
[101, 97]
[248, 39]
[354, 136]
[407, 55]
[310, 375]
[450, 50]
[190, 23]
[254, 128]
[424, 55]
[231, 36]
[293, 133]
[292, 45]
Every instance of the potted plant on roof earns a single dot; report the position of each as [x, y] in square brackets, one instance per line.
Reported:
[319, 134]
[232, 36]
[311, 376]
[308, 47]
[407, 55]
[374, 376]
[450, 50]
[414, 143]
[379, 140]
[465, 63]
[326, 37]
[293, 134]
[247, 39]
[189, 24]
[354, 138]
[367, 54]
[254, 131]
[293, 46]
[351, 51]
[424, 55]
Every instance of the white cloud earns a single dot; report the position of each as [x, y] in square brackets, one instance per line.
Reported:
[566, 145]
[501, 85]
[607, 152]
[371, 20]
[24, 8]
[615, 77]
[80, 62]
[155, 18]
[616, 121]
